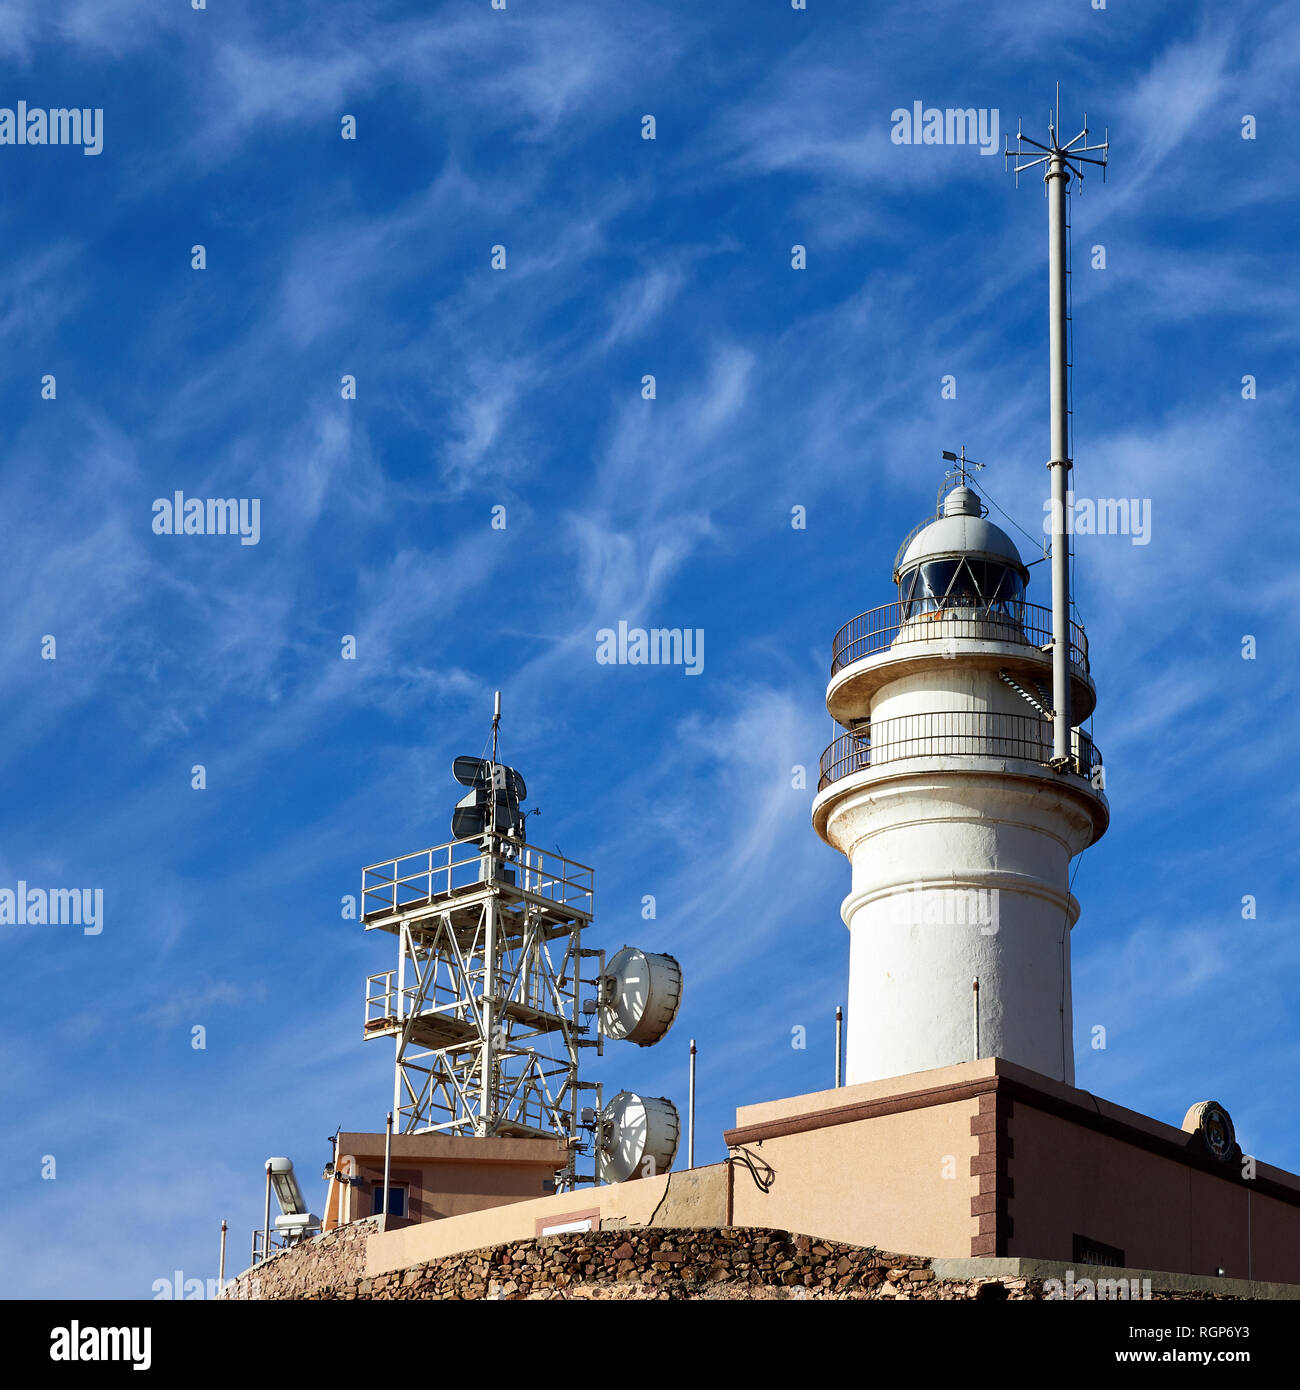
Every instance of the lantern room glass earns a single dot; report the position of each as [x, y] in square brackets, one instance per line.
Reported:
[962, 584]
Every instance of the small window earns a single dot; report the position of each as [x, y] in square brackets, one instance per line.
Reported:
[1095, 1252]
[396, 1199]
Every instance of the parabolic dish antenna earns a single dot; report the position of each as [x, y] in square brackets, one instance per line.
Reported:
[641, 995]
[638, 1137]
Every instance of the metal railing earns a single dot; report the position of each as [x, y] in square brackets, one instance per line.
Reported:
[1027, 624]
[948, 733]
[382, 1002]
[275, 1243]
[429, 874]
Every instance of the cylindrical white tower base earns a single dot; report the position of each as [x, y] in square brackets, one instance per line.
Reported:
[960, 873]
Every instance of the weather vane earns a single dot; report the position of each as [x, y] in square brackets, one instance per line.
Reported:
[963, 464]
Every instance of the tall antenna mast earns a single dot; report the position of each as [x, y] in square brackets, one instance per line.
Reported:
[496, 728]
[1061, 160]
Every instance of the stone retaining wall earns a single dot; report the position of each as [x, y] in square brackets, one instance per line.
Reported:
[320, 1268]
[730, 1263]
[734, 1262]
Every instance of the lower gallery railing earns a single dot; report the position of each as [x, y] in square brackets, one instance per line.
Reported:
[976, 733]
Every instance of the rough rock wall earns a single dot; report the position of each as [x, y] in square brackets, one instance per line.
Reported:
[310, 1270]
[736, 1262]
[731, 1263]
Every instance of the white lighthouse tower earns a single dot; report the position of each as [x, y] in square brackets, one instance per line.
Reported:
[962, 787]
[942, 794]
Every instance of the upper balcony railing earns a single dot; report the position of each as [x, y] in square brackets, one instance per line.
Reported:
[922, 620]
[946, 733]
[431, 875]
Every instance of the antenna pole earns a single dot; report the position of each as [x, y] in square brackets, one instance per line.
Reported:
[266, 1224]
[388, 1161]
[221, 1268]
[690, 1115]
[1062, 161]
[839, 1045]
[496, 726]
[1057, 179]
[332, 1183]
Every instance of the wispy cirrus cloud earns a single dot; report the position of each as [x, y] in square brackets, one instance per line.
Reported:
[522, 388]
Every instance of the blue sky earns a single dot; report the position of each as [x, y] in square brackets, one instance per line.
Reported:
[521, 388]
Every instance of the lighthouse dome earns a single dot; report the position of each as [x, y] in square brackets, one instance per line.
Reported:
[962, 557]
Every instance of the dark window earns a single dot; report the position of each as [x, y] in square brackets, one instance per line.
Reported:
[396, 1199]
[1094, 1252]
